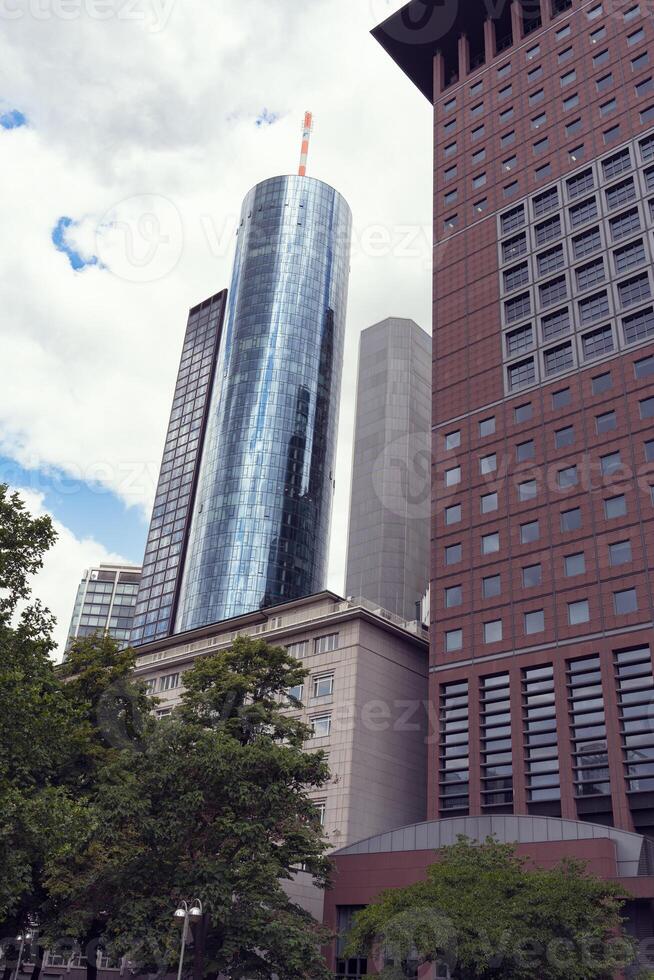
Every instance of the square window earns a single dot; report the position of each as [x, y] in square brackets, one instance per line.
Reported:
[568, 477]
[571, 102]
[571, 519]
[453, 514]
[615, 506]
[604, 83]
[479, 156]
[625, 601]
[525, 450]
[600, 58]
[490, 543]
[534, 622]
[529, 532]
[564, 437]
[578, 612]
[522, 374]
[636, 37]
[507, 139]
[493, 631]
[323, 685]
[527, 491]
[523, 413]
[453, 596]
[488, 464]
[574, 564]
[543, 171]
[453, 439]
[597, 35]
[532, 52]
[605, 422]
[620, 553]
[452, 554]
[452, 476]
[597, 342]
[607, 108]
[646, 408]
[644, 368]
[640, 61]
[610, 463]
[649, 450]
[453, 640]
[487, 427]
[565, 55]
[532, 575]
[539, 120]
[491, 586]
[561, 398]
[568, 78]
[489, 503]
[601, 383]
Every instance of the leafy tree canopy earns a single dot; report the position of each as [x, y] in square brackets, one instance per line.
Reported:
[486, 914]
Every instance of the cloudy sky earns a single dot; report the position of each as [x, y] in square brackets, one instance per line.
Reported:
[130, 130]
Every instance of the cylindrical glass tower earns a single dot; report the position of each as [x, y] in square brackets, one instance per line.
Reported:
[260, 526]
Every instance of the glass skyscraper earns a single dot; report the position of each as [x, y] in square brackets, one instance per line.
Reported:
[262, 506]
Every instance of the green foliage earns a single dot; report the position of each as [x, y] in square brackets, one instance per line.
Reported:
[211, 803]
[487, 915]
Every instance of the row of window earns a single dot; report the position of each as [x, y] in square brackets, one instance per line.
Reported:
[320, 644]
[319, 685]
[634, 685]
[523, 374]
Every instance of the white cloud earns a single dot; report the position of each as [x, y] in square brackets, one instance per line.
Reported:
[121, 109]
[56, 584]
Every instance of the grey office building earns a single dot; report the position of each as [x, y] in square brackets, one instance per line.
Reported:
[388, 540]
[105, 602]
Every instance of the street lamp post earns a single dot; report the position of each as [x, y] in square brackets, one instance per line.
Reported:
[187, 916]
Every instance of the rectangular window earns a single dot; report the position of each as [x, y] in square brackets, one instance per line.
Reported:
[571, 102]
[574, 565]
[520, 340]
[610, 463]
[580, 183]
[561, 398]
[529, 532]
[611, 135]
[550, 261]
[491, 586]
[505, 92]
[527, 491]
[640, 61]
[169, 682]
[544, 171]
[453, 640]
[452, 554]
[578, 612]
[453, 514]
[507, 139]
[541, 145]
[573, 127]
[636, 37]
[597, 342]
[625, 601]
[522, 374]
[567, 477]
[601, 383]
[493, 631]
[321, 726]
[547, 201]
[517, 308]
[604, 83]
[644, 88]
[489, 503]
[555, 324]
[648, 446]
[323, 685]
[532, 52]
[488, 464]
[450, 173]
[449, 150]
[597, 35]
[601, 58]
[558, 359]
[299, 649]
[606, 108]
[591, 274]
[586, 243]
[487, 427]
[453, 596]
[628, 256]
[477, 110]
[326, 643]
[631, 14]
[553, 292]
[619, 553]
[523, 413]
[539, 120]
[478, 132]
[624, 224]
[634, 290]
[516, 276]
[479, 180]
[532, 576]
[565, 55]
[644, 368]
[571, 519]
[564, 437]
[452, 476]
[615, 507]
[453, 439]
[537, 97]
[568, 78]
[646, 408]
[583, 212]
[509, 163]
[620, 194]
[616, 164]
[490, 543]
[534, 74]
[534, 622]
[511, 220]
[606, 422]
[525, 450]
[514, 247]
[510, 189]
[594, 307]
[547, 230]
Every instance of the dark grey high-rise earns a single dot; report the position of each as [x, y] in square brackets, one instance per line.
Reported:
[388, 541]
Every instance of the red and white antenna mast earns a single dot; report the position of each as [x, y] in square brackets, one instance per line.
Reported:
[307, 127]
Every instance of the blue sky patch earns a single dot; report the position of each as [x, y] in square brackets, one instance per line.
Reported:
[60, 243]
[267, 118]
[88, 509]
[12, 119]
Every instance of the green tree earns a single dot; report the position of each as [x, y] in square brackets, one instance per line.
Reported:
[486, 914]
[212, 803]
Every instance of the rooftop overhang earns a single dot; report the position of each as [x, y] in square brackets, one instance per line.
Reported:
[414, 34]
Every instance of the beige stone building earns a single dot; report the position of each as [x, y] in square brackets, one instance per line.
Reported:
[365, 699]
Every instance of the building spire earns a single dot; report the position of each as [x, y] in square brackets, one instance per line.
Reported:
[307, 127]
